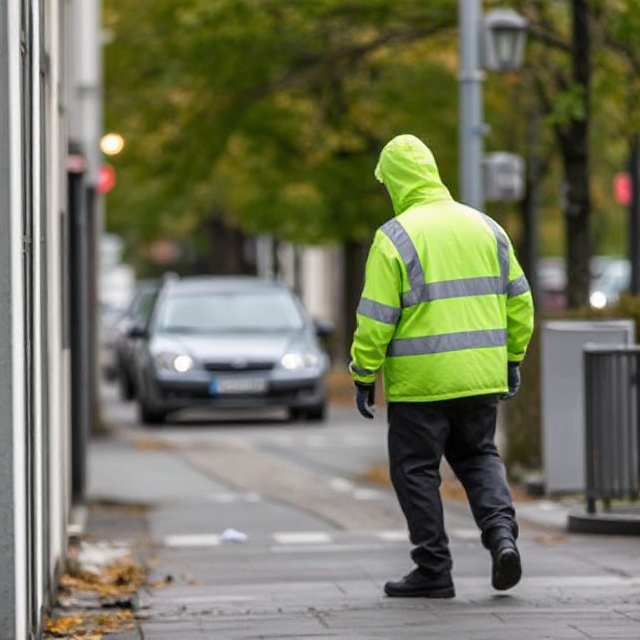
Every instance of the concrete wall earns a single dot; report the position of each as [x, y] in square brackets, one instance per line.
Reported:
[12, 489]
[34, 377]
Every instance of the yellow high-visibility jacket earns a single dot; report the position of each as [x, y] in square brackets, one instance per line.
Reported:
[445, 303]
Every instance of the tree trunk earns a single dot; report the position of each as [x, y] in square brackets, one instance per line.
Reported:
[528, 249]
[227, 252]
[355, 257]
[575, 153]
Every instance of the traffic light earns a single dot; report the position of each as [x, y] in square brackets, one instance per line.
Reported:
[106, 178]
[504, 177]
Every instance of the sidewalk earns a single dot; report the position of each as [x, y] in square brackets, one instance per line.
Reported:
[212, 561]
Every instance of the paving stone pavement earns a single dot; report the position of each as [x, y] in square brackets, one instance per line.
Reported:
[301, 574]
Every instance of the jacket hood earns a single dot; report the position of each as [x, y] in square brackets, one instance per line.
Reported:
[408, 170]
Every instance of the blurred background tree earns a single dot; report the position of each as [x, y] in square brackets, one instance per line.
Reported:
[248, 117]
[245, 118]
[270, 114]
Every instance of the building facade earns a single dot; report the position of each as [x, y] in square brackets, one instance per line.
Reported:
[41, 436]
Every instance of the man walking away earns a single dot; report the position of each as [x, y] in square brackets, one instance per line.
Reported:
[446, 313]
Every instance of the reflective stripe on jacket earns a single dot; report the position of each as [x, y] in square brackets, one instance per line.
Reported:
[445, 303]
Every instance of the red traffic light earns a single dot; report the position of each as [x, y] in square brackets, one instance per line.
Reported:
[106, 178]
[622, 188]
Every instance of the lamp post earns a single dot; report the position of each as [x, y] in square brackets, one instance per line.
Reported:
[498, 38]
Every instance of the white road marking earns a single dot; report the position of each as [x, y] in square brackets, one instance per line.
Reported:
[366, 494]
[228, 498]
[286, 541]
[223, 497]
[193, 540]
[465, 534]
[302, 537]
[394, 535]
[341, 484]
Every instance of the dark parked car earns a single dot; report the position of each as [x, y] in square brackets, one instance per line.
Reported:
[135, 315]
[229, 342]
[108, 320]
[552, 282]
[609, 277]
[612, 278]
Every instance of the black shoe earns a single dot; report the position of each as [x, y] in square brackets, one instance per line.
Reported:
[507, 568]
[418, 585]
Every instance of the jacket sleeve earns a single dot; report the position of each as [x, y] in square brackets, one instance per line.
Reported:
[520, 313]
[378, 311]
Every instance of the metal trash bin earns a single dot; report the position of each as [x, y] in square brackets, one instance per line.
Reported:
[562, 395]
[611, 423]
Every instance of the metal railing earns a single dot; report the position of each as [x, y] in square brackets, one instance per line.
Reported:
[611, 421]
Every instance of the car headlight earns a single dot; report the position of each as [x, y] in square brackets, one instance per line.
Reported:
[180, 363]
[598, 299]
[292, 361]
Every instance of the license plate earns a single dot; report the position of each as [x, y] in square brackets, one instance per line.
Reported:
[239, 385]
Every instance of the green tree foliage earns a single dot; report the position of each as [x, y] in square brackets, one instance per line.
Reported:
[588, 124]
[271, 113]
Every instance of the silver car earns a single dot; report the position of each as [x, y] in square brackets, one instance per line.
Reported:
[229, 342]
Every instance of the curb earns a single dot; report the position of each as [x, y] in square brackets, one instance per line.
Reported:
[623, 521]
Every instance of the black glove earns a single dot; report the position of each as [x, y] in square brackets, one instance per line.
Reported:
[365, 398]
[513, 380]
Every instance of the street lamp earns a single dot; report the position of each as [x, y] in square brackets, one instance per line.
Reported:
[504, 34]
[111, 144]
[500, 36]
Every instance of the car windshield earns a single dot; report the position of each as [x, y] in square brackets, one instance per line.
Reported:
[614, 278]
[142, 305]
[230, 312]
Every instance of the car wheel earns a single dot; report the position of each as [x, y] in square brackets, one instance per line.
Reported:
[125, 385]
[152, 417]
[313, 414]
[148, 416]
[316, 414]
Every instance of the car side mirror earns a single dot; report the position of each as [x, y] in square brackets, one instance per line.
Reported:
[137, 331]
[324, 328]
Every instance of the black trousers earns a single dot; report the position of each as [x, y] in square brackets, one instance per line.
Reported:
[463, 431]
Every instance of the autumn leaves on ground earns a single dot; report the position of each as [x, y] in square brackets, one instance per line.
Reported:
[97, 593]
[121, 578]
